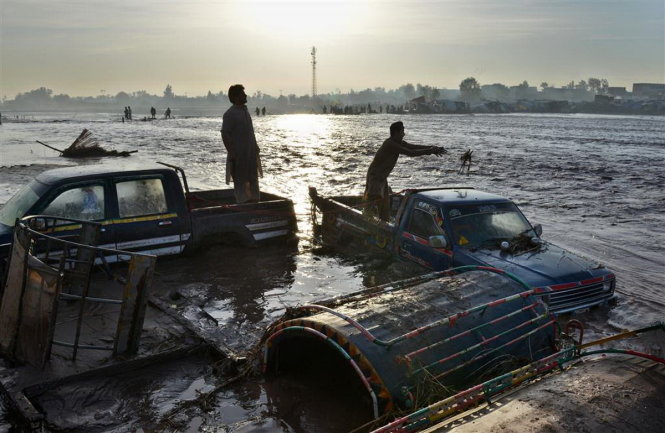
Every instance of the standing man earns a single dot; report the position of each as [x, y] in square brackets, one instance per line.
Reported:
[243, 164]
[377, 191]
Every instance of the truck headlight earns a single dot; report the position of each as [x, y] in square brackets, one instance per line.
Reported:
[608, 285]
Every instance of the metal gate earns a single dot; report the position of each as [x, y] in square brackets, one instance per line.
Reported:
[48, 299]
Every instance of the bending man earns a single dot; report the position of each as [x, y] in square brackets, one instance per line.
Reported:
[242, 163]
[377, 191]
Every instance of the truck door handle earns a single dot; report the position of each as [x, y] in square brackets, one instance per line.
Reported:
[165, 223]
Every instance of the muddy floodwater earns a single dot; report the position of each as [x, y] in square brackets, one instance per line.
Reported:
[595, 183]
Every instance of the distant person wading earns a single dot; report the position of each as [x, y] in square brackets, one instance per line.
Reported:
[243, 163]
[377, 191]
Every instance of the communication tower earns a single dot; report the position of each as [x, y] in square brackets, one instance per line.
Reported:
[313, 72]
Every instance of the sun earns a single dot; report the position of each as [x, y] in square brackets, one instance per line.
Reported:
[303, 19]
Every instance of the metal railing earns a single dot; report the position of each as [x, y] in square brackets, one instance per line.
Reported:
[49, 286]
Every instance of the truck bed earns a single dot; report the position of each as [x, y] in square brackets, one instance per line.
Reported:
[221, 197]
[342, 220]
[216, 217]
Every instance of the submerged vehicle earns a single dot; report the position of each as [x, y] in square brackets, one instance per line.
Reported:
[146, 210]
[409, 343]
[440, 228]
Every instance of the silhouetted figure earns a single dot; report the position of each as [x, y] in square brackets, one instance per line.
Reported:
[377, 191]
[167, 113]
[153, 112]
[129, 112]
[91, 205]
[258, 111]
[126, 114]
[243, 163]
[263, 111]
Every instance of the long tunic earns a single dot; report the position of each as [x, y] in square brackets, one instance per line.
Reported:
[246, 166]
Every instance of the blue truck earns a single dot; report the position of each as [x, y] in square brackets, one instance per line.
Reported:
[443, 228]
[147, 210]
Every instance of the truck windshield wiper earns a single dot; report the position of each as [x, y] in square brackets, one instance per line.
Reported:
[521, 234]
[489, 242]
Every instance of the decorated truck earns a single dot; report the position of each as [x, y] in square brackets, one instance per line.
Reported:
[442, 228]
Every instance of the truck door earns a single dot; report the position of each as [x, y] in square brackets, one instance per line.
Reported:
[146, 218]
[424, 221]
[86, 201]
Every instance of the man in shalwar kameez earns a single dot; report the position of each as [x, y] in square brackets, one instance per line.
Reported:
[243, 164]
[377, 191]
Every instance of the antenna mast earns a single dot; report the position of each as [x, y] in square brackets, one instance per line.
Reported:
[313, 72]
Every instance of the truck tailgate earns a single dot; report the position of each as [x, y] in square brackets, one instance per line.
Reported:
[342, 220]
[215, 217]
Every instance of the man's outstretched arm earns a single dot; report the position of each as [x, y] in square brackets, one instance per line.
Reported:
[417, 150]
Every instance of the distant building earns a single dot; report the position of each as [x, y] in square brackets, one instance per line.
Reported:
[649, 90]
[617, 92]
[603, 99]
[496, 92]
[519, 92]
[567, 94]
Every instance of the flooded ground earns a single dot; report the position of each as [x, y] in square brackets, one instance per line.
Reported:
[595, 183]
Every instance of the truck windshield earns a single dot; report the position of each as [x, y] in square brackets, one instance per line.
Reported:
[486, 225]
[18, 205]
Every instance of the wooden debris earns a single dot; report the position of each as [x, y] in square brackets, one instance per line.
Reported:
[85, 146]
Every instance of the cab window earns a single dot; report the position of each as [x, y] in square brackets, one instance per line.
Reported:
[84, 203]
[424, 224]
[140, 197]
[18, 205]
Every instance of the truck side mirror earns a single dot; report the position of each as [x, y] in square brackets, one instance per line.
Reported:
[38, 224]
[438, 241]
[538, 229]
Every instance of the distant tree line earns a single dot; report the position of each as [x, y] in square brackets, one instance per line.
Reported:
[470, 90]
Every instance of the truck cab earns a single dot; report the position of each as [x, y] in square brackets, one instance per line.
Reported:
[139, 210]
[146, 210]
[443, 228]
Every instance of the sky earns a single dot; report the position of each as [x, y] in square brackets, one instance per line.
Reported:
[93, 47]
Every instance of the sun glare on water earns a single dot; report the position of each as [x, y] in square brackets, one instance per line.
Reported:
[304, 129]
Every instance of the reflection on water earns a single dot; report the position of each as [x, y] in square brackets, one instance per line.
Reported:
[596, 183]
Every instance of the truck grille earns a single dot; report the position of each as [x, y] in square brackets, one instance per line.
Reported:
[562, 301]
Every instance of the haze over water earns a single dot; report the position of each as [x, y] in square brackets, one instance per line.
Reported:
[595, 183]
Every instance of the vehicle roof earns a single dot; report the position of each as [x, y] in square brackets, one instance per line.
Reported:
[461, 196]
[50, 177]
